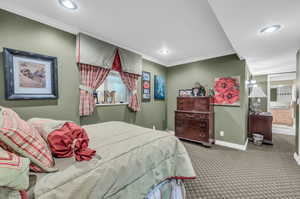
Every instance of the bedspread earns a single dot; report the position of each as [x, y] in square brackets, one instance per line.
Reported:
[131, 160]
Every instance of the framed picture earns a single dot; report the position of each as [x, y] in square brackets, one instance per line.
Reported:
[159, 87]
[146, 86]
[29, 75]
[185, 92]
[227, 91]
[198, 91]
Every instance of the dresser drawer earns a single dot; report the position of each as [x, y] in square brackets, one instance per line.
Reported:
[196, 116]
[194, 119]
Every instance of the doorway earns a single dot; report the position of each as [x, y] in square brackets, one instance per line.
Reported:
[282, 102]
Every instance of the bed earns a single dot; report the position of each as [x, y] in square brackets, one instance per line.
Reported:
[132, 162]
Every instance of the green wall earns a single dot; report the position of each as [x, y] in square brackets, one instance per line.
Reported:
[23, 34]
[152, 113]
[262, 82]
[231, 120]
[297, 106]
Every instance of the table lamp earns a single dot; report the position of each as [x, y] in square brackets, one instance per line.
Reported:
[257, 93]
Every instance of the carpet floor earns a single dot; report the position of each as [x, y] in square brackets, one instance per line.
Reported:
[260, 172]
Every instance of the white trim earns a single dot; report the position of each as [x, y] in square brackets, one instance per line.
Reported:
[297, 158]
[196, 59]
[68, 28]
[171, 132]
[268, 92]
[232, 145]
[283, 130]
[75, 30]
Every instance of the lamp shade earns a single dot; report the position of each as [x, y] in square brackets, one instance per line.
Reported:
[257, 92]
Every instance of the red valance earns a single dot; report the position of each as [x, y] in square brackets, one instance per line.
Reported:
[116, 65]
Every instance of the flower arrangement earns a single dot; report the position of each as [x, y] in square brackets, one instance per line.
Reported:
[227, 91]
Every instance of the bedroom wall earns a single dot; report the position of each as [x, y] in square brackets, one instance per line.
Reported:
[23, 34]
[152, 113]
[231, 120]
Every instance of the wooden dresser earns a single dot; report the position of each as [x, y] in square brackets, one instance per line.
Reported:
[194, 119]
[260, 124]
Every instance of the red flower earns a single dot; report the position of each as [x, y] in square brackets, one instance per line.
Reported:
[219, 98]
[224, 84]
[146, 85]
[232, 96]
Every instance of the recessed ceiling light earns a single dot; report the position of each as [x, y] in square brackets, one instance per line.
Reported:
[69, 4]
[164, 51]
[270, 29]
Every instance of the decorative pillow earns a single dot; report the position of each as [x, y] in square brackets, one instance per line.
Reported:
[12, 194]
[14, 171]
[65, 139]
[45, 126]
[24, 140]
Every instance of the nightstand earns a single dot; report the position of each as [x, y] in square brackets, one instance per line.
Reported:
[260, 124]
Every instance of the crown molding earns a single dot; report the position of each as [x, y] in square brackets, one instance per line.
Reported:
[196, 59]
[74, 30]
[68, 28]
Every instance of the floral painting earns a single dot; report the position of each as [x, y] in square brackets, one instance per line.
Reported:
[227, 91]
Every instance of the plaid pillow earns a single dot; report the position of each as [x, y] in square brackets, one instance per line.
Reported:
[13, 194]
[14, 171]
[24, 140]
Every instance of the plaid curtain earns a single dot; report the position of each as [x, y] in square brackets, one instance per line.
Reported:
[91, 78]
[130, 80]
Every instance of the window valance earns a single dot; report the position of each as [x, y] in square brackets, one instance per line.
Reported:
[95, 52]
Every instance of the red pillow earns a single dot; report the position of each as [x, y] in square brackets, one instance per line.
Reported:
[18, 136]
[65, 139]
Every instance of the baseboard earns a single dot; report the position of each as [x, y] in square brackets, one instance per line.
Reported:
[171, 132]
[232, 145]
[297, 158]
[283, 131]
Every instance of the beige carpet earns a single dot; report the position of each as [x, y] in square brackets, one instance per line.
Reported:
[260, 172]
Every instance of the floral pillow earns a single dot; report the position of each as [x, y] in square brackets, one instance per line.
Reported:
[18, 136]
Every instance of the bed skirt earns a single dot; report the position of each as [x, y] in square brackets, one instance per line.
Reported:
[169, 189]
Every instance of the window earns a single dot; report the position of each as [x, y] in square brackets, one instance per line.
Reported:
[113, 90]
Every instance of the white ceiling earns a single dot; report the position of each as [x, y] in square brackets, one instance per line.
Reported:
[241, 21]
[189, 29]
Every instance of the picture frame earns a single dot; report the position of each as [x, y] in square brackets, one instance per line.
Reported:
[227, 91]
[159, 87]
[29, 75]
[146, 86]
[185, 92]
[198, 92]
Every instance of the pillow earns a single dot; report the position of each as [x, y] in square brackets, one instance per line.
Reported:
[24, 140]
[14, 171]
[12, 194]
[65, 139]
[46, 126]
